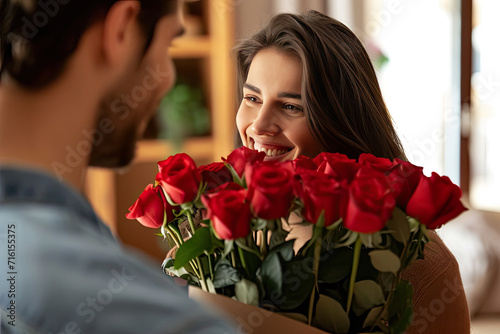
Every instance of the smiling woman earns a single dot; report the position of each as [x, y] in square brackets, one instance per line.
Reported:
[271, 117]
[308, 86]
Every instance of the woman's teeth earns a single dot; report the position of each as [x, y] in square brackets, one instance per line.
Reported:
[272, 153]
[268, 152]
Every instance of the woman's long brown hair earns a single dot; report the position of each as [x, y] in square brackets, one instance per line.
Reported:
[341, 96]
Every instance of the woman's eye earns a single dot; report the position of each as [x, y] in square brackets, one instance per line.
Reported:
[292, 108]
[252, 99]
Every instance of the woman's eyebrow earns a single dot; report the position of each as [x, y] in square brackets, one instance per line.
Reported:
[290, 95]
[252, 88]
[280, 95]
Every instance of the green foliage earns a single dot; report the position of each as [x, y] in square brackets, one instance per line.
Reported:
[200, 242]
[400, 307]
[183, 114]
[331, 316]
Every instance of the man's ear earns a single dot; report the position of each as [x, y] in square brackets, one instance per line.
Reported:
[120, 37]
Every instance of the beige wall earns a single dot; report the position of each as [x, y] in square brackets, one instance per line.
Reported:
[251, 15]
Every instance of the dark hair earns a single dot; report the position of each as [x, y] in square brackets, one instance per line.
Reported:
[37, 37]
[341, 96]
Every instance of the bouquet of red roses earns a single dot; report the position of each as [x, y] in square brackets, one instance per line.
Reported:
[230, 222]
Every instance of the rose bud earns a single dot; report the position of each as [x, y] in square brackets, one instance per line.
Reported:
[270, 190]
[242, 156]
[321, 192]
[215, 175]
[371, 201]
[230, 213]
[179, 177]
[150, 207]
[436, 201]
[337, 165]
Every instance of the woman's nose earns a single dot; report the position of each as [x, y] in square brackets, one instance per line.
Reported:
[266, 122]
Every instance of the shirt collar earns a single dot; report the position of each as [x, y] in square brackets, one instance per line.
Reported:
[35, 186]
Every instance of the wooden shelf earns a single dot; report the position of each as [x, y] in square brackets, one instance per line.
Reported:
[199, 148]
[208, 50]
[190, 47]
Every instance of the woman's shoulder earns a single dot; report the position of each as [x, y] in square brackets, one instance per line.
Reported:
[438, 262]
[439, 301]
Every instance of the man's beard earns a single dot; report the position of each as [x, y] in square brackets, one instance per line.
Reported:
[115, 147]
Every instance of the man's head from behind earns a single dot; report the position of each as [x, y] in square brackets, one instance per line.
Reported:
[40, 40]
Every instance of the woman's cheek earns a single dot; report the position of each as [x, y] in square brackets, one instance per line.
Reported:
[242, 122]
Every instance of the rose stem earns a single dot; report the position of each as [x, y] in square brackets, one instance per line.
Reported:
[243, 262]
[200, 267]
[263, 244]
[178, 241]
[355, 263]
[317, 253]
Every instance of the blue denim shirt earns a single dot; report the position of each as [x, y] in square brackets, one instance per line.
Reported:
[61, 270]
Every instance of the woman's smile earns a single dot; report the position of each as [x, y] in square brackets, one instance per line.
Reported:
[271, 116]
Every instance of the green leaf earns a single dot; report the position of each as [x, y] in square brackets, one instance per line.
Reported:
[348, 239]
[401, 298]
[225, 274]
[271, 274]
[194, 247]
[330, 316]
[372, 316]
[236, 178]
[367, 294]
[385, 260]
[335, 265]
[386, 280]
[335, 225]
[252, 263]
[371, 240]
[210, 285]
[228, 247]
[414, 224]
[277, 237]
[400, 307]
[258, 224]
[399, 225]
[168, 268]
[285, 250]
[248, 245]
[247, 292]
[403, 322]
[298, 281]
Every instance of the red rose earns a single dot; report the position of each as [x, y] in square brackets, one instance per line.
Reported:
[270, 190]
[321, 192]
[150, 208]
[179, 177]
[229, 212]
[371, 201]
[226, 186]
[215, 175]
[436, 200]
[303, 162]
[337, 165]
[403, 179]
[242, 156]
[382, 164]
